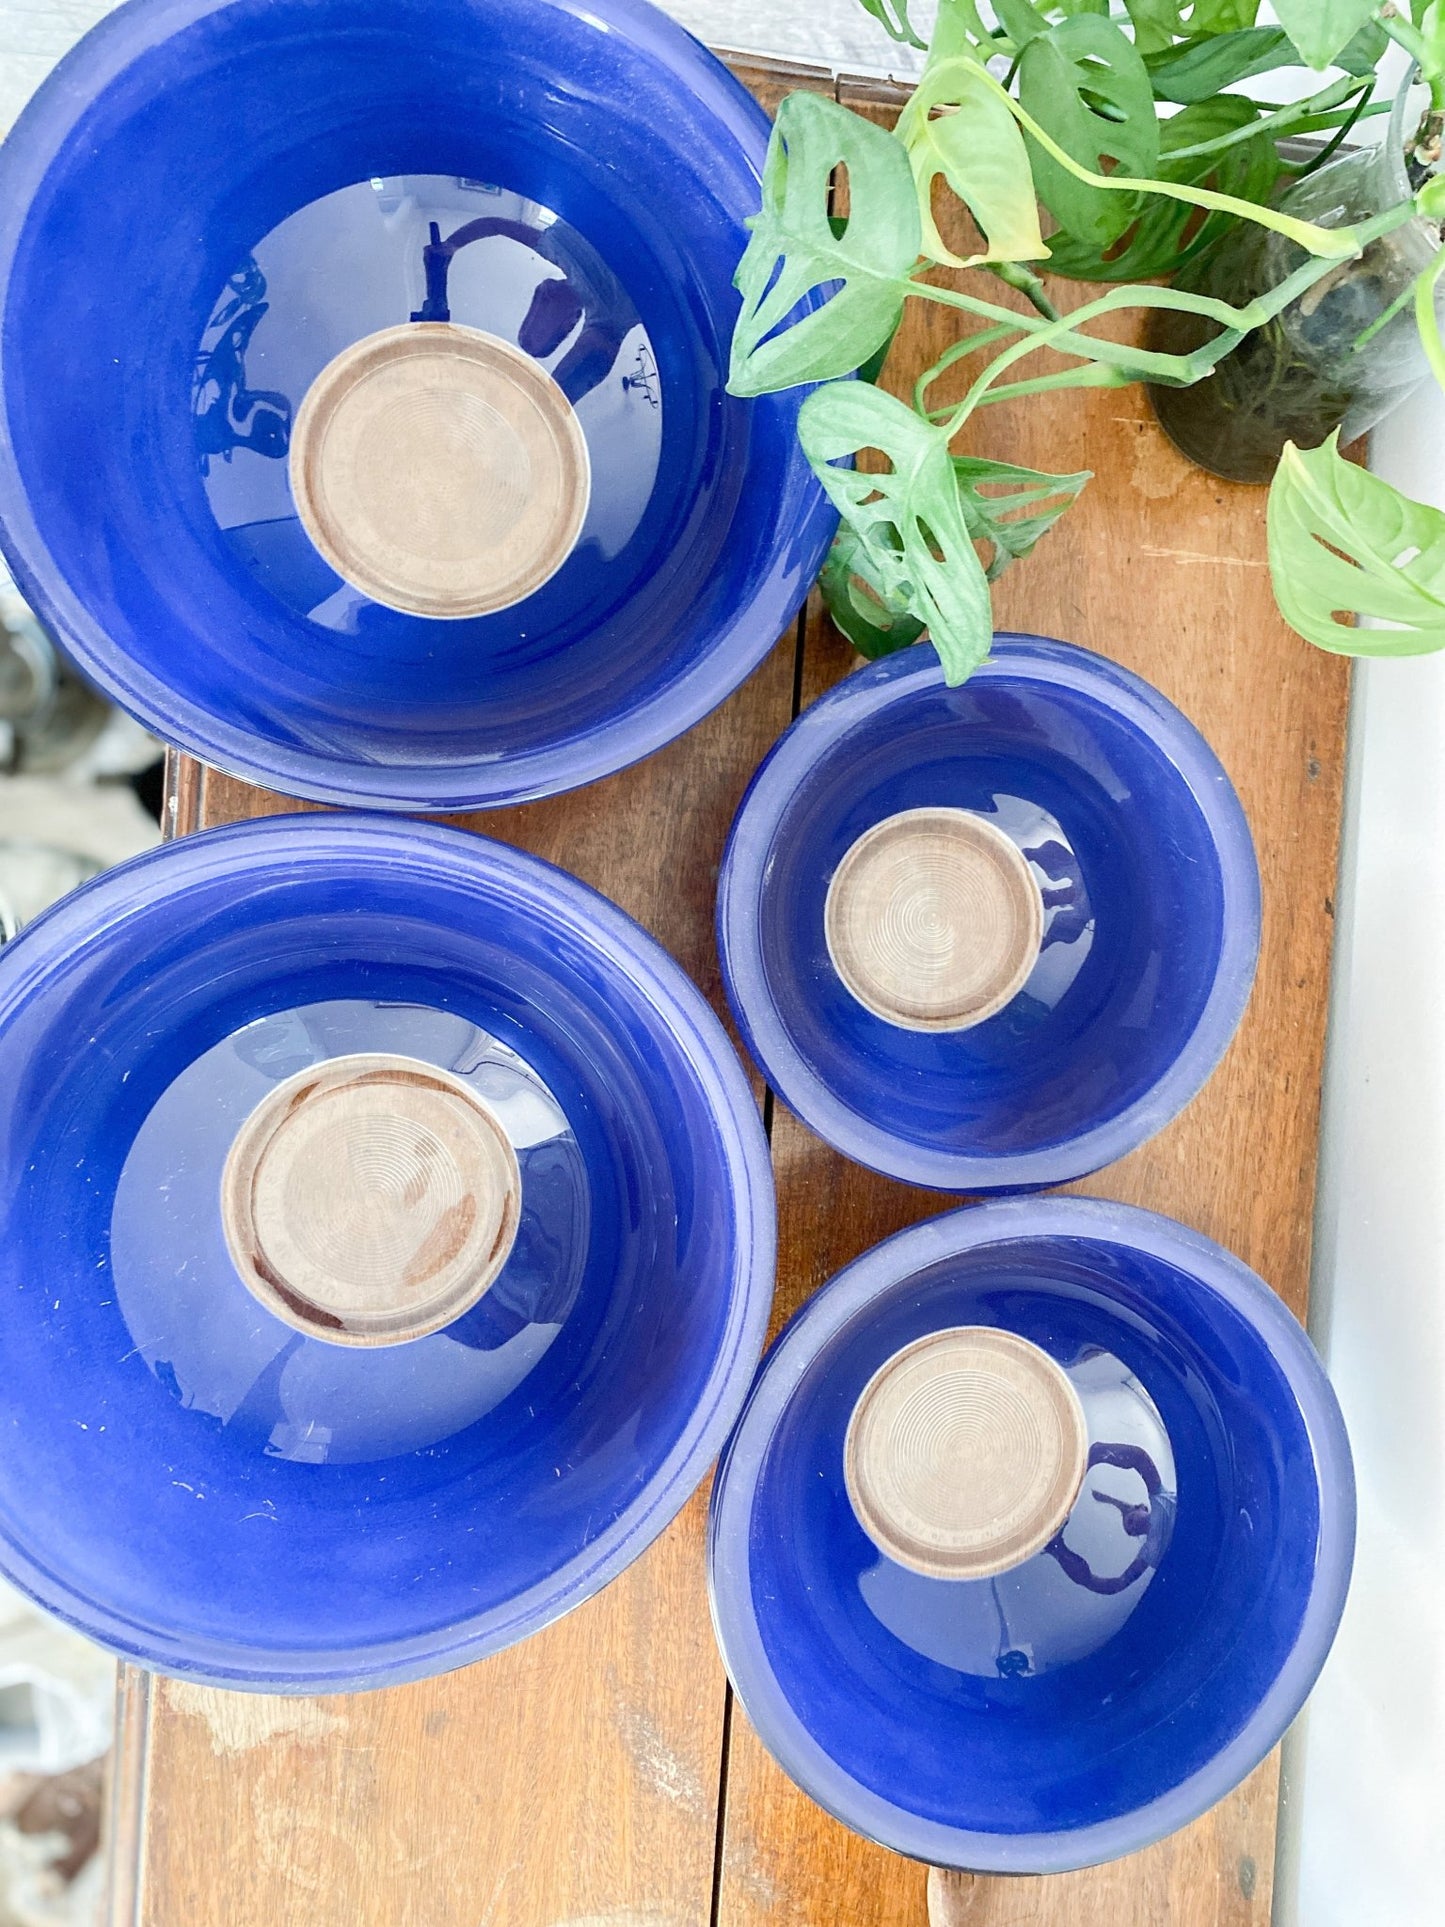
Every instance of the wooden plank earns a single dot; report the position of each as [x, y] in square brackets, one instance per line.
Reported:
[576, 1777]
[576, 1780]
[1162, 568]
[769, 80]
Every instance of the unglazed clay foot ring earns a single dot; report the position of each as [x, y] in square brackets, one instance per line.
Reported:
[934, 920]
[370, 1200]
[965, 1453]
[440, 470]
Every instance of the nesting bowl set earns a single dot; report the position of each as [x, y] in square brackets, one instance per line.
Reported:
[389, 1243]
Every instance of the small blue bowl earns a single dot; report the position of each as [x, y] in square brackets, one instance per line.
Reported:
[1119, 1682]
[209, 200]
[206, 1489]
[1150, 897]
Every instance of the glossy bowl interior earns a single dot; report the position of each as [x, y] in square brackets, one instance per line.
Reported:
[1122, 1680]
[211, 199]
[199, 1485]
[1151, 915]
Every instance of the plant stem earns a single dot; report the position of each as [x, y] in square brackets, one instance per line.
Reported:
[1418, 48]
[1331, 147]
[1145, 364]
[1338, 243]
[1027, 283]
[969, 345]
[1366, 335]
[1426, 319]
[1182, 370]
[1088, 374]
[1282, 120]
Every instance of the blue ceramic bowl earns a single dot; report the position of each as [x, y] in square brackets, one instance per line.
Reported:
[1151, 915]
[210, 199]
[1124, 1679]
[209, 1491]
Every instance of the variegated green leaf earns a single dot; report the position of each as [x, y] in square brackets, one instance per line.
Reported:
[1159, 23]
[892, 16]
[1166, 233]
[909, 520]
[1084, 81]
[1020, 507]
[1343, 543]
[1321, 29]
[859, 604]
[795, 252]
[975, 143]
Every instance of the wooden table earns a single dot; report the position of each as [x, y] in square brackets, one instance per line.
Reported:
[600, 1775]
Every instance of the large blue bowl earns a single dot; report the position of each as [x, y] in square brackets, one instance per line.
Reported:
[202, 1487]
[1125, 1678]
[1151, 915]
[210, 199]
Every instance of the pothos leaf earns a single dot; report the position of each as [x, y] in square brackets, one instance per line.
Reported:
[1167, 233]
[977, 147]
[1342, 541]
[1084, 81]
[1320, 29]
[909, 522]
[794, 250]
[892, 15]
[1021, 20]
[1158, 23]
[1198, 69]
[957, 27]
[1222, 16]
[1026, 506]
[873, 621]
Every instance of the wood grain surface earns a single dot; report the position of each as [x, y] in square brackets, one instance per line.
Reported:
[1163, 568]
[597, 1776]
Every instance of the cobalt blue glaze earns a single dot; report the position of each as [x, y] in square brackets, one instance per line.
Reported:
[211, 198]
[208, 1491]
[1124, 1679]
[1151, 904]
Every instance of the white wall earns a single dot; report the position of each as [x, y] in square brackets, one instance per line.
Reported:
[1366, 1768]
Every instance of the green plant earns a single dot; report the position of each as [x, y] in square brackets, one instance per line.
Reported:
[1117, 128]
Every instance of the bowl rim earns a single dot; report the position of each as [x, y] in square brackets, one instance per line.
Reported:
[631, 954]
[853, 702]
[846, 1296]
[769, 598]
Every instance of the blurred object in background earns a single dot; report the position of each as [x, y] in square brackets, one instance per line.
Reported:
[71, 772]
[55, 835]
[51, 722]
[50, 1872]
[57, 1696]
[56, 1692]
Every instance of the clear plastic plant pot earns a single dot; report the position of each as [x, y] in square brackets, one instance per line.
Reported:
[1341, 356]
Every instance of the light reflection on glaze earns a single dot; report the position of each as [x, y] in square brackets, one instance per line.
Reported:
[220, 1352]
[1074, 1596]
[367, 257]
[1068, 913]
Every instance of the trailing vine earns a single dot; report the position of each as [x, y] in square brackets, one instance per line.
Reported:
[1115, 134]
